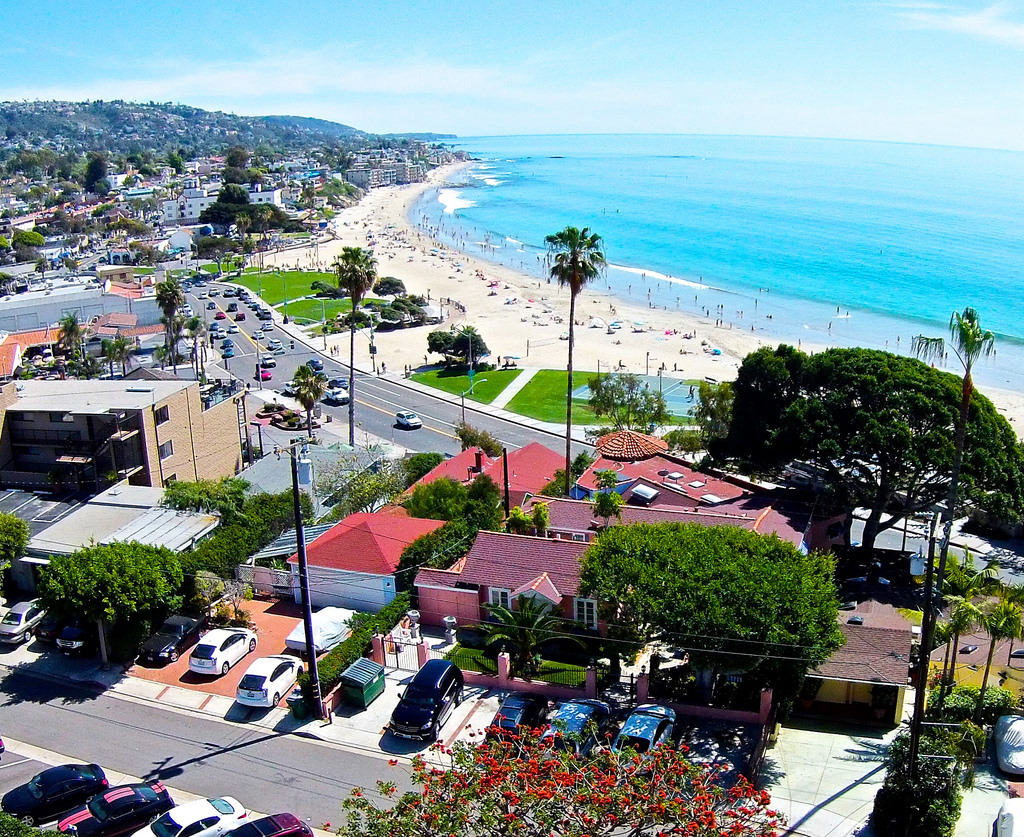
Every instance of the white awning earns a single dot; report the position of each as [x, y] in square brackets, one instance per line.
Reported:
[42, 562]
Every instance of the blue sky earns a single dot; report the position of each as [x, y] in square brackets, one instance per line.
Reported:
[938, 72]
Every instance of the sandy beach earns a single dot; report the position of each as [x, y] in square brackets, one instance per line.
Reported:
[525, 318]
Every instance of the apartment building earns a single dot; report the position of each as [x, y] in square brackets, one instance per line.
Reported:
[76, 435]
[189, 205]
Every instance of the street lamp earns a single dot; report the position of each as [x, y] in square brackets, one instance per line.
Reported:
[300, 547]
[468, 392]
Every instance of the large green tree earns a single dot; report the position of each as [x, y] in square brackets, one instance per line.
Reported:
[627, 401]
[733, 599]
[356, 271]
[170, 298]
[215, 247]
[14, 535]
[880, 426]
[578, 259]
[118, 585]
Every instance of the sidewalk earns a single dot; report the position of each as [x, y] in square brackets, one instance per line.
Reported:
[510, 392]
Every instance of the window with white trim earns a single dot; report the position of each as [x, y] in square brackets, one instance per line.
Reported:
[586, 612]
[166, 449]
[500, 597]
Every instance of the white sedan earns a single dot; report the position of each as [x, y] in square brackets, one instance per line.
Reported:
[220, 649]
[267, 679]
[408, 419]
[202, 818]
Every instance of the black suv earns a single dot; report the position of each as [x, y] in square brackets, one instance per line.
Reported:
[175, 635]
[428, 700]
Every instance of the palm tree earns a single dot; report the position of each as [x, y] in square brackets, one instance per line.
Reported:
[119, 350]
[310, 387]
[71, 334]
[524, 629]
[1002, 622]
[578, 259]
[170, 297]
[969, 341]
[964, 583]
[356, 270]
[195, 328]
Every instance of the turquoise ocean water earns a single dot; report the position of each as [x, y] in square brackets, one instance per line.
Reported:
[829, 241]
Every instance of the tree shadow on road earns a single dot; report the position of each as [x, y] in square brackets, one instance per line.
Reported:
[25, 687]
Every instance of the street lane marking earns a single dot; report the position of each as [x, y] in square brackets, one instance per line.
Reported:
[13, 763]
[389, 413]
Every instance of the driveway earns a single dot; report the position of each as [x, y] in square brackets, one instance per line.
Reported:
[823, 776]
[273, 621]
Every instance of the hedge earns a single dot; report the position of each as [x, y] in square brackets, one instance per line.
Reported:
[13, 827]
[962, 702]
[263, 517]
[358, 643]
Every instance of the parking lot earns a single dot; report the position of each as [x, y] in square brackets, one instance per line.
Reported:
[273, 621]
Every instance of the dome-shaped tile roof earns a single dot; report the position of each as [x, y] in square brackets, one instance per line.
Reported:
[630, 446]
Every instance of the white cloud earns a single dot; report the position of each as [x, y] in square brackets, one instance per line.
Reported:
[993, 23]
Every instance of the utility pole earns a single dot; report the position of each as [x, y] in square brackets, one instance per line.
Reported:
[924, 655]
[307, 611]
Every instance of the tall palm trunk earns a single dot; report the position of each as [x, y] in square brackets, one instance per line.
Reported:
[568, 395]
[984, 680]
[948, 666]
[352, 379]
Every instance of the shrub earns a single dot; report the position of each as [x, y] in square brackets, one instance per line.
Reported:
[358, 643]
[11, 826]
[420, 464]
[438, 549]
[474, 437]
[962, 701]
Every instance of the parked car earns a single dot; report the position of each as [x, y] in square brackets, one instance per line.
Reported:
[214, 292]
[232, 306]
[578, 725]
[240, 317]
[315, 364]
[267, 680]
[265, 375]
[1009, 740]
[211, 306]
[220, 649]
[519, 711]
[78, 639]
[337, 383]
[1010, 819]
[54, 792]
[408, 419]
[220, 315]
[267, 326]
[49, 629]
[288, 389]
[187, 311]
[203, 295]
[233, 329]
[228, 353]
[123, 809]
[435, 690]
[336, 396]
[276, 825]
[19, 622]
[201, 818]
[647, 727]
[175, 635]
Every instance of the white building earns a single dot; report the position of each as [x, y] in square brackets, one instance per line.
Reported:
[187, 207]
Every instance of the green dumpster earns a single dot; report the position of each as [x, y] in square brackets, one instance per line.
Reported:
[362, 682]
[297, 703]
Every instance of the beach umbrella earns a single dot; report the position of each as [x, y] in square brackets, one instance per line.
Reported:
[630, 446]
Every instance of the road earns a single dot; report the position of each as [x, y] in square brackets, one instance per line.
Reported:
[266, 771]
[377, 398]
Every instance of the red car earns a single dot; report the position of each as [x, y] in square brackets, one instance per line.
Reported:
[266, 375]
[120, 810]
[220, 315]
[240, 316]
[276, 825]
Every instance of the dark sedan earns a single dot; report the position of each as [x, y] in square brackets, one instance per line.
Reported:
[120, 810]
[54, 792]
[175, 635]
[519, 711]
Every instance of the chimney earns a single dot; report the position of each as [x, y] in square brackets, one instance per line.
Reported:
[479, 461]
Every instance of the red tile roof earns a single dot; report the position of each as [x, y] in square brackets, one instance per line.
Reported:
[871, 655]
[697, 486]
[542, 585]
[117, 319]
[530, 468]
[578, 515]
[630, 446]
[367, 542]
[36, 337]
[513, 561]
[10, 357]
[456, 468]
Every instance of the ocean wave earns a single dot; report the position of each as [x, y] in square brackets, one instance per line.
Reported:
[653, 274]
[452, 201]
[493, 181]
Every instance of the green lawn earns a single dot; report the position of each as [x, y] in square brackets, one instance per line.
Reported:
[489, 384]
[543, 398]
[274, 287]
[145, 271]
[314, 309]
[562, 674]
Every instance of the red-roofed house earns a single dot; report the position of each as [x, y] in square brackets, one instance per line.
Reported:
[499, 569]
[353, 563]
[662, 481]
[530, 468]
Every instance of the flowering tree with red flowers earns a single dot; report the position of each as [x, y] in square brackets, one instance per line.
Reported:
[518, 788]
